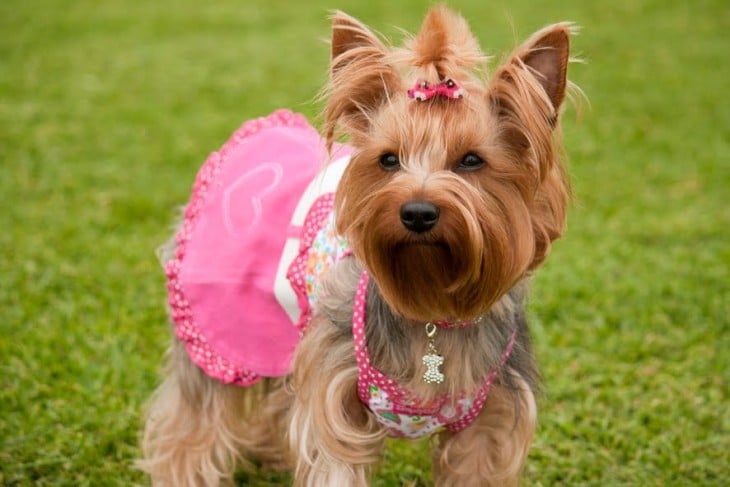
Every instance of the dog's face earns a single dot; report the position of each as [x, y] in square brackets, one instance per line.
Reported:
[447, 202]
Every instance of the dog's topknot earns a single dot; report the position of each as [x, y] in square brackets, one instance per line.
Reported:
[443, 49]
[365, 72]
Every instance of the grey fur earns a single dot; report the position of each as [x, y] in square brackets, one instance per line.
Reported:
[395, 344]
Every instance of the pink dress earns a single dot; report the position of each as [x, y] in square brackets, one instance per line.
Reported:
[237, 284]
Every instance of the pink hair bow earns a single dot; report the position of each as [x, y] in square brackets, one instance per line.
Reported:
[424, 91]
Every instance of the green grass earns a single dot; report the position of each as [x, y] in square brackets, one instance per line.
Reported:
[107, 108]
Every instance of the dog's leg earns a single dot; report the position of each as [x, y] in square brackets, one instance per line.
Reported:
[193, 427]
[333, 437]
[265, 432]
[493, 449]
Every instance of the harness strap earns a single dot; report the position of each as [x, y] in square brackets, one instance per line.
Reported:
[367, 373]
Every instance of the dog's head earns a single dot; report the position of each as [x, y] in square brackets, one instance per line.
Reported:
[449, 200]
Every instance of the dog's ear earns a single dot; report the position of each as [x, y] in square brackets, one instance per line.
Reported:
[546, 55]
[536, 74]
[349, 33]
[360, 77]
[526, 94]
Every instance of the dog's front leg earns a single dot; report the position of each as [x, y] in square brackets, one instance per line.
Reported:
[493, 449]
[333, 437]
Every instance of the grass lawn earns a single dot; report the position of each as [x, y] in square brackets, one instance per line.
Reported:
[107, 109]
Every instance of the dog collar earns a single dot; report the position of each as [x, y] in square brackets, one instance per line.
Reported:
[456, 323]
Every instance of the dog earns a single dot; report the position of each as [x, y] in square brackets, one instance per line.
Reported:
[319, 310]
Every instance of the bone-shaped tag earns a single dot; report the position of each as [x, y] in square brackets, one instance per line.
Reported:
[432, 362]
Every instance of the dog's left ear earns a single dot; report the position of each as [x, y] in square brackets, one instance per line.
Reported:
[535, 77]
[526, 95]
[546, 55]
[361, 79]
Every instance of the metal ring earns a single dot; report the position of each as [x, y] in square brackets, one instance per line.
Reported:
[430, 330]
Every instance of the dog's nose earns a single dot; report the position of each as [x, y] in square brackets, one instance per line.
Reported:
[419, 216]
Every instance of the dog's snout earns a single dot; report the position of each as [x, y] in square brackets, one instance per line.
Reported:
[419, 216]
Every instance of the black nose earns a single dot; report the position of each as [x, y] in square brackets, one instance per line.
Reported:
[419, 216]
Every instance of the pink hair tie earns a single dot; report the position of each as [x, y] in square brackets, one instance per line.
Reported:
[424, 91]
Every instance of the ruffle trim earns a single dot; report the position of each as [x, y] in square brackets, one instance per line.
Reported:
[186, 329]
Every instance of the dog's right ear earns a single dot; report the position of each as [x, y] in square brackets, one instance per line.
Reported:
[349, 33]
[360, 78]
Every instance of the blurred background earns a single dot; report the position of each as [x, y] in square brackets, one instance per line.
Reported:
[108, 108]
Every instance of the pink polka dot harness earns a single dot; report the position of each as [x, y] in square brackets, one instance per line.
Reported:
[393, 406]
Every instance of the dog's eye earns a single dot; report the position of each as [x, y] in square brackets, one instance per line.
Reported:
[389, 162]
[471, 162]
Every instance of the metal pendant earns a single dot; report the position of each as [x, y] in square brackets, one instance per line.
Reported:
[432, 360]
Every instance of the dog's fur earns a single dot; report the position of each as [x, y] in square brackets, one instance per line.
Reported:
[496, 225]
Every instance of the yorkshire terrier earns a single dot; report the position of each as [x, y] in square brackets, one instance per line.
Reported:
[320, 307]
